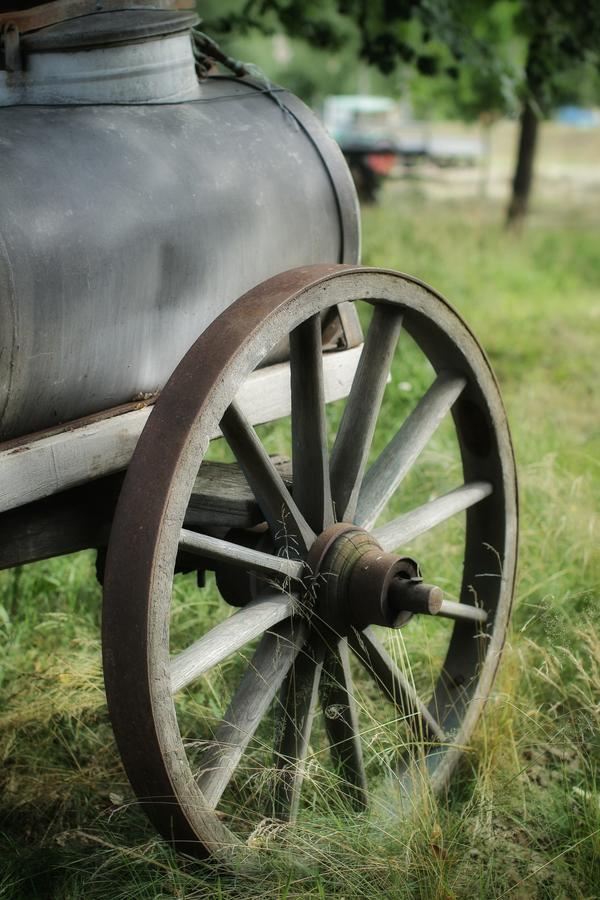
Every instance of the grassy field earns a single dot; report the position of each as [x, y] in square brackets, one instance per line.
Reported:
[523, 816]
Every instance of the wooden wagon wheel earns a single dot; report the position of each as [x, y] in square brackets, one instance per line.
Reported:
[329, 571]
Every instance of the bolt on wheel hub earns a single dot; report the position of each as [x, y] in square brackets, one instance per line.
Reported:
[355, 583]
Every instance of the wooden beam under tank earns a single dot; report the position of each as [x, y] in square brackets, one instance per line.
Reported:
[42, 465]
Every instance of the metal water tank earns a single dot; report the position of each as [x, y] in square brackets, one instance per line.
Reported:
[137, 202]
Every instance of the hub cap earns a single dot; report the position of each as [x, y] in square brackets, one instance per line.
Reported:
[355, 583]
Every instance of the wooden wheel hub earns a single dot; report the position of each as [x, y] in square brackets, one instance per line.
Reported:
[356, 583]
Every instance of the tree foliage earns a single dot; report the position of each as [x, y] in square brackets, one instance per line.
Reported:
[563, 38]
[471, 58]
[465, 57]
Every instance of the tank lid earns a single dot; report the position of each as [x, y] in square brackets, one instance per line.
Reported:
[109, 28]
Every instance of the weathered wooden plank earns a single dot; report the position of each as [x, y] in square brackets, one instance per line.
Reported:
[353, 442]
[395, 461]
[47, 465]
[76, 520]
[309, 426]
[262, 679]
[238, 556]
[227, 637]
[423, 518]
[80, 519]
[222, 496]
[288, 526]
[341, 722]
[294, 718]
[398, 687]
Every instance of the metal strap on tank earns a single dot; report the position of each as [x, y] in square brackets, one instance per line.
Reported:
[63, 10]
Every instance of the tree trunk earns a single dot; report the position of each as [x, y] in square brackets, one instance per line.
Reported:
[485, 168]
[523, 178]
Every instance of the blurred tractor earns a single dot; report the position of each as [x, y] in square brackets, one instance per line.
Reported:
[365, 127]
[376, 134]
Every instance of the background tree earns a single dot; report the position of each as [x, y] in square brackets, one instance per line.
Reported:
[466, 58]
[563, 41]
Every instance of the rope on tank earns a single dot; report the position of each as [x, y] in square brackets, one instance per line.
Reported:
[207, 51]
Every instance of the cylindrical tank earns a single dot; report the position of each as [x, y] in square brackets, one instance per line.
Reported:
[131, 216]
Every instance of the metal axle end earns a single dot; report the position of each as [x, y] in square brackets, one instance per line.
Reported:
[415, 596]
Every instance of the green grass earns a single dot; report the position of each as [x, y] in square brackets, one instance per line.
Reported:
[523, 816]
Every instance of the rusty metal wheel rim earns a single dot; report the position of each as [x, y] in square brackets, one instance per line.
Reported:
[147, 525]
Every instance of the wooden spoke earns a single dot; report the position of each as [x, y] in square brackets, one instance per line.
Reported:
[289, 527]
[392, 465]
[261, 681]
[411, 524]
[353, 441]
[227, 637]
[341, 722]
[293, 726]
[238, 556]
[395, 685]
[462, 612]
[310, 459]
